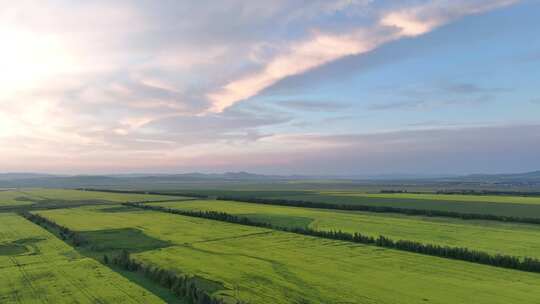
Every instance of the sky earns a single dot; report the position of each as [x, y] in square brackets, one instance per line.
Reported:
[348, 87]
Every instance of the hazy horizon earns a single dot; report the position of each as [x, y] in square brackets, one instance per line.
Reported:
[300, 174]
[345, 87]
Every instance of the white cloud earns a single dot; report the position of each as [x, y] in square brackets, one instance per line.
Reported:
[299, 58]
[93, 77]
[421, 19]
[322, 48]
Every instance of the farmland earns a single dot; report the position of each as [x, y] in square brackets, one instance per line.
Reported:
[270, 152]
[228, 257]
[36, 267]
[233, 262]
[503, 199]
[499, 205]
[14, 198]
[47, 198]
[515, 206]
[490, 236]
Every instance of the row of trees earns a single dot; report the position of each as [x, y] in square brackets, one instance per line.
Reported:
[489, 192]
[181, 285]
[381, 209]
[65, 233]
[457, 253]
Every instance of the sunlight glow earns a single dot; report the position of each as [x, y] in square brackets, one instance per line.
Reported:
[27, 59]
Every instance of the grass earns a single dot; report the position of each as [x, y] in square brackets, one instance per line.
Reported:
[504, 205]
[123, 238]
[78, 195]
[490, 236]
[264, 266]
[16, 200]
[505, 199]
[36, 267]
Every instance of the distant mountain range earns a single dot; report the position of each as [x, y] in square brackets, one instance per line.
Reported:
[533, 176]
[49, 180]
[69, 181]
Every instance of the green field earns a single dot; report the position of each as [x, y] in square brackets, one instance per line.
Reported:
[65, 197]
[515, 206]
[74, 195]
[502, 205]
[490, 236]
[15, 198]
[265, 266]
[36, 267]
[505, 199]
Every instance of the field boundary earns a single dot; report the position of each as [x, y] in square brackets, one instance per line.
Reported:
[455, 253]
[185, 194]
[382, 209]
[182, 286]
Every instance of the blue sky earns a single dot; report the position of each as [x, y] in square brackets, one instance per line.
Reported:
[477, 71]
[316, 87]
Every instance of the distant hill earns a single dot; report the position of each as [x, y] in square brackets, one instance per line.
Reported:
[120, 180]
[526, 177]
[20, 176]
[212, 179]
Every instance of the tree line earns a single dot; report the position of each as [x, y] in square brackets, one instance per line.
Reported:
[65, 233]
[181, 285]
[381, 209]
[456, 253]
[490, 192]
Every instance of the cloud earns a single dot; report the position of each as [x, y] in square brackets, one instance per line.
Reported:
[312, 106]
[101, 80]
[462, 149]
[470, 88]
[466, 149]
[413, 21]
[434, 96]
[229, 126]
[397, 105]
[319, 49]
[322, 48]
[432, 103]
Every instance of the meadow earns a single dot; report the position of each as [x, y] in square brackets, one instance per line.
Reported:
[44, 198]
[259, 265]
[15, 198]
[36, 267]
[499, 205]
[514, 206]
[504, 199]
[79, 195]
[489, 236]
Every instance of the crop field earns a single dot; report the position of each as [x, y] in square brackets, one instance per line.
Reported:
[60, 197]
[515, 206]
[74, 195]
[15, 198]
[253, 264]
[36, 267]
[490, 236]
[259, 265]
[504, 199]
